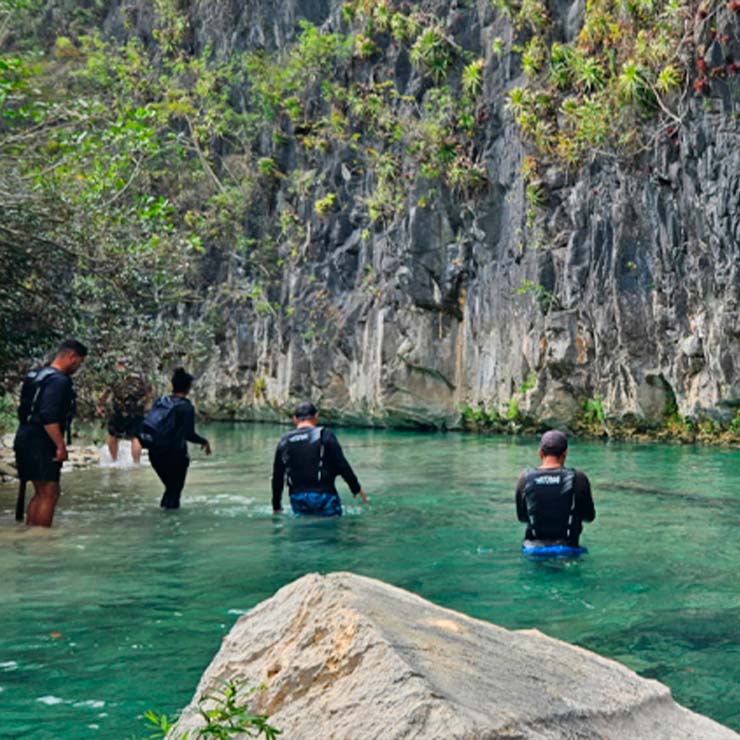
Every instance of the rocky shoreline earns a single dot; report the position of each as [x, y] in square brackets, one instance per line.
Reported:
[478, 421]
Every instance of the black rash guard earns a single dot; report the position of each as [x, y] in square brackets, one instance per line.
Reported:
[304, 478]
[185, 426]
[584, 506]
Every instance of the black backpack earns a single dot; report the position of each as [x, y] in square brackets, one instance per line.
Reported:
[30, 393]
[33, 384]
[159, 429]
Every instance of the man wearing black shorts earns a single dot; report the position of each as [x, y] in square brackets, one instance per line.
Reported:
[130, 395]
[553, 500]
[45, 413]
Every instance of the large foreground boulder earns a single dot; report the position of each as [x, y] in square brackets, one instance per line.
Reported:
[343, 656]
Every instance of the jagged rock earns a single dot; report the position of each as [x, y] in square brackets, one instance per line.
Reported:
[7, 463]
[344, 656]
[639, 254]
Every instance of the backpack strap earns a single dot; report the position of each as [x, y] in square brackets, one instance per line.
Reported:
[567, 485]
[528, 486]
[37, 378]
[320, 431]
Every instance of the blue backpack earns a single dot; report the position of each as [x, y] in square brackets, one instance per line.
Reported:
[159, 429]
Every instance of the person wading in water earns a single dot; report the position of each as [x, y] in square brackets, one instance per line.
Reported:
[130, 394]
[165, 432]
[553, 500]
[311, 458]
[45, 413]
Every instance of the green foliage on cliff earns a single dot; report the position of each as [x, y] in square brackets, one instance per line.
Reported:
[136, 182]
[148, 191]
[110, 185]
[630, 66]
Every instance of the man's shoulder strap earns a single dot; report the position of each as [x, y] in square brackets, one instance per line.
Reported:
[33, 385]
[39, 375]
[169, 402]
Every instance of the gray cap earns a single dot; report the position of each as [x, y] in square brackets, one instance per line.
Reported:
[553, 442]
[305, 410]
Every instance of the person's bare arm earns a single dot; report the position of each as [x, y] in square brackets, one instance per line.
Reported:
[55, 433]
[102, 400]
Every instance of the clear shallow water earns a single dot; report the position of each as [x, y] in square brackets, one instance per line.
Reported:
[121, 606]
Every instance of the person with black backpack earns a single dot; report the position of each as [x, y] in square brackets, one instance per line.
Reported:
[45, 414]
[165, 432]
[310, 457]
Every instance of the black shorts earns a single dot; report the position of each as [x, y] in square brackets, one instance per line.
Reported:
[124, 427]
[34, 453]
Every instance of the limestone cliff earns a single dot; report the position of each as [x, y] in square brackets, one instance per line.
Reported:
[622, 286]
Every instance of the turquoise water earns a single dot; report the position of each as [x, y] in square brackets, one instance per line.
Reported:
[121, 606]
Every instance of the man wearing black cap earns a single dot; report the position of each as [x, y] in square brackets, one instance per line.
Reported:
[553, 500]
[311, 458]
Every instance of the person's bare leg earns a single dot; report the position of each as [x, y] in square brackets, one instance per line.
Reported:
[113, 447]
[42, 505]
[136, 450]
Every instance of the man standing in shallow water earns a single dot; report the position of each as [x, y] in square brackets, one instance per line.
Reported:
[553, 500]
[45, 414]
[311, 457]
[129, 394]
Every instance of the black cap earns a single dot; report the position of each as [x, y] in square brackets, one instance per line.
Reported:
[553, 443]
[305, 410]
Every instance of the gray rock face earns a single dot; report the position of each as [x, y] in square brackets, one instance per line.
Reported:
[640, 262]
[343, 656]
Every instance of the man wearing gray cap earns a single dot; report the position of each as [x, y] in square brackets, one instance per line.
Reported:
[311, 458]
[553, 500]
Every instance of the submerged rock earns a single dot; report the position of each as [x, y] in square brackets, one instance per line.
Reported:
[344, 656]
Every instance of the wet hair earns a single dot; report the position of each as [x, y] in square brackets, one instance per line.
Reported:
[305, 410]
[72, 345]
[181, 380]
